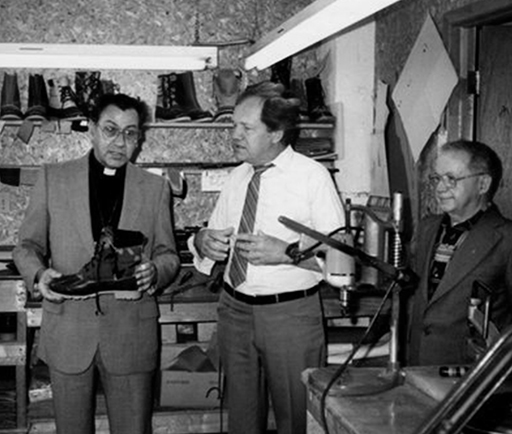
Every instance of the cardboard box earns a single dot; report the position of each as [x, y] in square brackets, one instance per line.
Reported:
[190, 380]
[189, 389]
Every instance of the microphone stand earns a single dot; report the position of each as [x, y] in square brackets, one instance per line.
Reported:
[366, 381]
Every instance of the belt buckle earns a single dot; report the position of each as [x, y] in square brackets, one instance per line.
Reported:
[276, 296]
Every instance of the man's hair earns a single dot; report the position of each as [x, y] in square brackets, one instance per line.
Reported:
[482, 159]
[279, 112]
[123, 102]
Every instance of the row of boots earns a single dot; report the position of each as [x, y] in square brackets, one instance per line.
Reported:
[177, 101]
[60, 101]
[176, 96]
[310, 92]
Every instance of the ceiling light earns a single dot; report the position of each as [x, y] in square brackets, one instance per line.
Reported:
[77, 56]
[314, 23]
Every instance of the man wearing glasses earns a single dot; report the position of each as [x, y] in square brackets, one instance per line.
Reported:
[464, 253]
[96, 243]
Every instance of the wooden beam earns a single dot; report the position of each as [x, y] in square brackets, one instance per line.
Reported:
[482, 12]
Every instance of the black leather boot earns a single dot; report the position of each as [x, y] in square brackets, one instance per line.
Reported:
[37, 98]
[110, 270]
[297, 90]
[88, 89]
[189, 102]
[280, 72]
[318, 111]
[11, 104]
[169, 95]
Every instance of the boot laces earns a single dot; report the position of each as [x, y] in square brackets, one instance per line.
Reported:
[66, 94]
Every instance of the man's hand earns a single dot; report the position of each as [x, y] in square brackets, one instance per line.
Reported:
[262, 249]
[146, 276]
[214, 243]
[43, 286]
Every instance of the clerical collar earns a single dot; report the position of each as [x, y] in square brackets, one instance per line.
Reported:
[100, 169]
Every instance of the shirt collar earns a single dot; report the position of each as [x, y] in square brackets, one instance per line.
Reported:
[283, 160]
[466, 224]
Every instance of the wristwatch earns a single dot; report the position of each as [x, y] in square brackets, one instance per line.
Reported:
[294, 252]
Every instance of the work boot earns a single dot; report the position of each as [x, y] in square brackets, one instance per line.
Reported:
[111, 269]
[88, 89]
[11, 104]
[297, 89]
[280, 72]
[37, 99]
[318, 111]
[189, 101]
[108, 87]
[62, 104]
[227, 85]
[169, 95]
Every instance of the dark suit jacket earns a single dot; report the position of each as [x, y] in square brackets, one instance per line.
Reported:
[57, 232]
[438, 328]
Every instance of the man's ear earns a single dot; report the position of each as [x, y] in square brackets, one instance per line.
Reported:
[92, 129]
[485, 183]
[277, 136]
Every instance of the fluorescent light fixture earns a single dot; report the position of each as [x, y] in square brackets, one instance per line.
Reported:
[77, 56]
[317, 21]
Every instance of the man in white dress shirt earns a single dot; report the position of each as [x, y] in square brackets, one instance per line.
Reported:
[270, 326]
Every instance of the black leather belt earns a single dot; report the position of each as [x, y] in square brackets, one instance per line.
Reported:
[270, 299]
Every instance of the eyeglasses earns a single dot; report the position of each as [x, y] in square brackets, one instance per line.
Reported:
[111, 133]
[451, 181]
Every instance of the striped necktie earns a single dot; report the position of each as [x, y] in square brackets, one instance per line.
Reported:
[238, 270]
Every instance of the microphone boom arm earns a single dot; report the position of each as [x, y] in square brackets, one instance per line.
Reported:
[363, 257]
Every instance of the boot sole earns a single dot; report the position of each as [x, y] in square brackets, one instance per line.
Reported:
[68, 287]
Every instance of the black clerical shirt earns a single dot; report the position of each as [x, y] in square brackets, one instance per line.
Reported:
[106, 191]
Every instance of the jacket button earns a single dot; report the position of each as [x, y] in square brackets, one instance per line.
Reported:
[427, 330]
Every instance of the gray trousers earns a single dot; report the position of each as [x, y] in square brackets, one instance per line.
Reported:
[264, 349]
[129, 400]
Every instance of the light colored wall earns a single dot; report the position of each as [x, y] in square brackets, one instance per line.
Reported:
[349, 80]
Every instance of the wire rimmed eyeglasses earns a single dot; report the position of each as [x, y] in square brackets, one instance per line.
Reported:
[451, 181]
[111, 133]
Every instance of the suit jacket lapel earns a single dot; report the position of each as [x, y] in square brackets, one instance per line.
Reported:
[132, 198]
[471, 252]
[430, 232]
[79, 191]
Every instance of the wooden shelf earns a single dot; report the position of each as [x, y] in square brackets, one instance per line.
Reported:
[179, 125]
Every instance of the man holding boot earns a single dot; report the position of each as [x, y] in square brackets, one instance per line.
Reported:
[99, 314]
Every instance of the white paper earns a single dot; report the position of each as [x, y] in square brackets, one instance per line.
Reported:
[213, 180]
[424, 87]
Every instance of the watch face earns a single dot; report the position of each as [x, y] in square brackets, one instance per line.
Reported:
[293, 251]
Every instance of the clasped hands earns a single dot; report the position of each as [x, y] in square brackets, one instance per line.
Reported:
[258, 249]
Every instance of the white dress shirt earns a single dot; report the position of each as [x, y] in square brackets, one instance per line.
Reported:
[299, 188]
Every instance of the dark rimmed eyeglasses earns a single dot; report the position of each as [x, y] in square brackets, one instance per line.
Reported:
[111, 133]
[451, 181]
